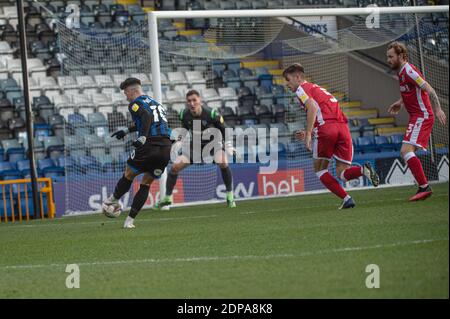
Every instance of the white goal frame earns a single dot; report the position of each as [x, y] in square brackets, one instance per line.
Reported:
[153, 17]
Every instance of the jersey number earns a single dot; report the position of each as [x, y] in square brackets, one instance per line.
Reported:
[158, 112]
[332, 98]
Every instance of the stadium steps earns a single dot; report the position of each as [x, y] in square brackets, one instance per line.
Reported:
[382, 121]
[269, 64]
[127, 2]
[180, 25]
[361, 114]
[387, 131]
[188, 33]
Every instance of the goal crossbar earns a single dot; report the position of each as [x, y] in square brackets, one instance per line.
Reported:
[153, 17]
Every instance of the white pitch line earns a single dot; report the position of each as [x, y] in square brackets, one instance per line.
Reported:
[225, 258]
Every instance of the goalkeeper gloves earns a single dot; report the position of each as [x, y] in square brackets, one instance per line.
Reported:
[120, 134]
[230, 150]
[140, 141]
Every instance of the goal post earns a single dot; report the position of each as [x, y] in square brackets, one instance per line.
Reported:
[372, 12]
[236, 58]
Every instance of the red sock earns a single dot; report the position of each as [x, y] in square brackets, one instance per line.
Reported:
[416, 168]
[331, 183]
[351, 173]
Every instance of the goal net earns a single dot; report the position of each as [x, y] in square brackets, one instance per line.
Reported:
[236, 64]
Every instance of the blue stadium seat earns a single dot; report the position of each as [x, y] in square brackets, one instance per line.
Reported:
[397, 140]
[41, 131]
[87, 163]
[366, 144]
[66, 162]
[76, 119]
[15, 154]
[383, 144]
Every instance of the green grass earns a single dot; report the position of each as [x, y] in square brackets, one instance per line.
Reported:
[294, 247]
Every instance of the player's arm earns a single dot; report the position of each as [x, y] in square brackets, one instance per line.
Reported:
[435, 102]
[219, 123]
[395, 107]
[417, 80]
[311, 112]
[311, 107]
[146, 122]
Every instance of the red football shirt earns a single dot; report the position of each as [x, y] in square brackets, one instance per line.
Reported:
[416, 100]
[328, 106]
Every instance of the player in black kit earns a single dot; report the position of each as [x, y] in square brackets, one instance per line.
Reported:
[152, 147]
[207, 119]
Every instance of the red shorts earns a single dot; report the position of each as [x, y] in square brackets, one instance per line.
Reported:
[333, 140]
[419, 131]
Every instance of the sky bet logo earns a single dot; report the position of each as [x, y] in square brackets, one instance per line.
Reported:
[282, 182]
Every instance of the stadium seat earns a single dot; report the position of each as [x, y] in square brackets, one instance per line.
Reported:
[366, 144]
[41, 131]
[66, 162]
[396, 140]
[229, 117]
[54, 146]
[87, 163]
[383, 144]
[263, 113]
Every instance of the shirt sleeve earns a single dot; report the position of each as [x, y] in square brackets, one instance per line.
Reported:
[302, 96]
[145, 117]
[415, 77]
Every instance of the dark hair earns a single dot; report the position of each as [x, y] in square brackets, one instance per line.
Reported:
[192, 92]
[128, 82]
[292, 69]
[399, 48]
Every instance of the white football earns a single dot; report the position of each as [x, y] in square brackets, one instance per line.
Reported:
[112, 210]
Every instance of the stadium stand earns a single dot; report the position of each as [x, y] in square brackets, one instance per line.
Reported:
[89, 103]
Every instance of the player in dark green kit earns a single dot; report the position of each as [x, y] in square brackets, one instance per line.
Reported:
[207, 119]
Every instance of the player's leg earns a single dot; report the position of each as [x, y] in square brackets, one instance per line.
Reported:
[343, 154]
[417, 136]
[323, 149]
[331, 183]
[408, 154]
[122, 186]
[181, 162]
[139, 200]
[220, 158]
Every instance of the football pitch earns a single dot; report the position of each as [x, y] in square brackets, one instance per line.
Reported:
[292, 247]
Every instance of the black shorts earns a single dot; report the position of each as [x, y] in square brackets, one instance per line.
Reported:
[150, 158]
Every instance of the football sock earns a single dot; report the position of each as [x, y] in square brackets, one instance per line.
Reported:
[227, 178]
[170, 184]
[139, 200]
[123, 186]
[416, 168]
[230, 196]
[331, 183]
[351, 173]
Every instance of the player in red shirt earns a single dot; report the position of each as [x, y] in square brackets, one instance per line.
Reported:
[326, 123]
[416, 94]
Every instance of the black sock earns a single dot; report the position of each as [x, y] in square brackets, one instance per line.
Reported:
[139, 200]
[227, 178]
[170, 184]
[123, 186]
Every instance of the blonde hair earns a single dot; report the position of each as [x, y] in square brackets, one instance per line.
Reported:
[399, 49]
